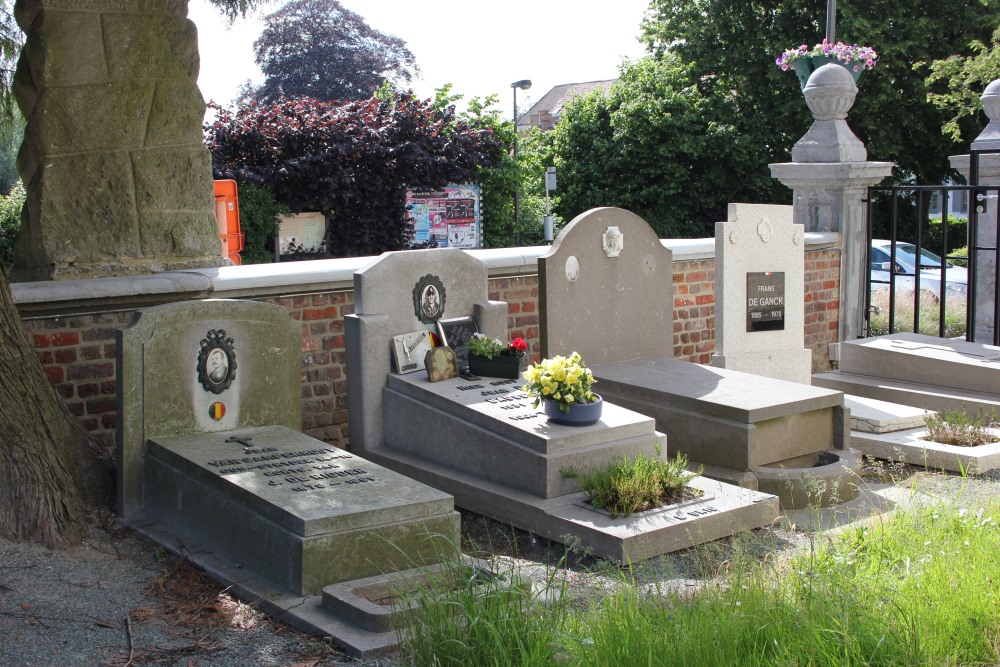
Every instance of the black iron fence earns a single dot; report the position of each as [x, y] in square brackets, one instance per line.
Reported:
[924, 264]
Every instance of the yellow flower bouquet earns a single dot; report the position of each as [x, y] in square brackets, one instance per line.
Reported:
[565, 380]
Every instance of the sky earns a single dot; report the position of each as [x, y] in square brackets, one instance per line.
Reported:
[479, 47]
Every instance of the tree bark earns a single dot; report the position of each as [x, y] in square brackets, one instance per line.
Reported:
[51, 470]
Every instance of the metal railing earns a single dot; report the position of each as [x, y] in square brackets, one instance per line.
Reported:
[903, 215]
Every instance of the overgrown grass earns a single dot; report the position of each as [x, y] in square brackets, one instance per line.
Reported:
[917, 587]
[930, 314]
[962, 429]
[628, 485]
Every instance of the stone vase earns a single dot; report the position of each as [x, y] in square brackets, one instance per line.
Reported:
[580, 414]
[497, 367]
[804, 67]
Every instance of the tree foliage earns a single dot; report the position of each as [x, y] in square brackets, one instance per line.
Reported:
[731, 45]
[957, 83]
[316, 48]
[352, 161]
[661, 147]
[259, 217]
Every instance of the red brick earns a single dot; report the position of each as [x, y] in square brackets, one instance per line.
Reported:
[87, 390]
[62, 339]
[56, 374]
[88, 371]
[99, 406]
[65, 356]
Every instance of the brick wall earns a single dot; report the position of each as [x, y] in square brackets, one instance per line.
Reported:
[822, 307]
[78, 351]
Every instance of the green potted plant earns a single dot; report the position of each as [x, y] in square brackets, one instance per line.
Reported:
[562, 385]
[855, 59]
[491, 358]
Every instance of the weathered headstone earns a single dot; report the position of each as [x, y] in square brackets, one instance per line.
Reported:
[759, 293]
[211, 464]
[745, 429]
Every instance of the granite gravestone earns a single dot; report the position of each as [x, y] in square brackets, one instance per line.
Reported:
[759, 293]
[745, 429]
[484, 442]
[211, 464]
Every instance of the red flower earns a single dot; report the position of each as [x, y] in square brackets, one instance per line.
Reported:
[519, 345]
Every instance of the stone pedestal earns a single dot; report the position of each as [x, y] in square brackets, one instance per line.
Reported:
[986, 236]
[117, 179]
[829, 177]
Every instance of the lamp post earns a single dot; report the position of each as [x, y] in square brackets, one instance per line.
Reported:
[523, 84]
[831, 20]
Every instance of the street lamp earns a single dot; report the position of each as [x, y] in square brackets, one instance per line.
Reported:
[523, 84]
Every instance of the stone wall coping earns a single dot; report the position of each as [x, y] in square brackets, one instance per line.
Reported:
[284, 278]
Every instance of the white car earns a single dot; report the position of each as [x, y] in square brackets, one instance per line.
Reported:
[956, 277]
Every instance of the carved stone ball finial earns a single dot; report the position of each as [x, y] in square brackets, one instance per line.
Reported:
[830, 92]
[990, 137]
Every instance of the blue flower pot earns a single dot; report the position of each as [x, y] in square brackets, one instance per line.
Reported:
[804, 67]
[580, 414]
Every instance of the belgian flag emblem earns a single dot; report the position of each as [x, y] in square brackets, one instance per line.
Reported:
[217, 411]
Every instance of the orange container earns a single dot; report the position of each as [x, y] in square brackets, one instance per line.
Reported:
[227, 216]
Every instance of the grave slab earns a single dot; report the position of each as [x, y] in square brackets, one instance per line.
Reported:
[910, 446]
[924, 360]
[869, 415]
[489, 428]
[726, 419]
[724, 510]
[301, 512]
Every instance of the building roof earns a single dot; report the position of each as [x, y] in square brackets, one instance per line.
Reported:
[545, 112]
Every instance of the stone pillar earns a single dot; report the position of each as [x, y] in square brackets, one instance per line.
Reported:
[829, 176]
[989, 174]
[117, 179]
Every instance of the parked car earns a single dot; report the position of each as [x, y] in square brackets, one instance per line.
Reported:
[930, 265]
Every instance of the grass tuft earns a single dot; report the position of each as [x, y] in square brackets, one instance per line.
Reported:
[961, 429]
[634, 485]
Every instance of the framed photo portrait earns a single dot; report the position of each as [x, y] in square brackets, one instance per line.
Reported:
[429, 299]
[216, 361]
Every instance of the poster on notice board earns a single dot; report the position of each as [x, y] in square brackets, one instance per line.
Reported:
[448, 217]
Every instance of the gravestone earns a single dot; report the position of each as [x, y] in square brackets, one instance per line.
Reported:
[750, 430]
[484, 442]
[211, 464]
[759, 293]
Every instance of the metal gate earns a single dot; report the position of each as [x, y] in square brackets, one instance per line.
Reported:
[918, 279]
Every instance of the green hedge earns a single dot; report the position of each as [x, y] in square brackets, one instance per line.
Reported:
[10, 222]
[259, 222]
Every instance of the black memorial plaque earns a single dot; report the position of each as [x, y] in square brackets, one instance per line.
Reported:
[766, 301]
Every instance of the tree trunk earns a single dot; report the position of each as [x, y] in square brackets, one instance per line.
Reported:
[51, 470]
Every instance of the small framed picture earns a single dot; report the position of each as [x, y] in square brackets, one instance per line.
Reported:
[455, 333]
[409, 350]
[441, 364]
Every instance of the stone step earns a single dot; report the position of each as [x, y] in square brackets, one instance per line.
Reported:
[918, 395]
[927, 360]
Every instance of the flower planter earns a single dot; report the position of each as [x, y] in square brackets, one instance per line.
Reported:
[497, 367]
[804, 67]
[580, 414]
